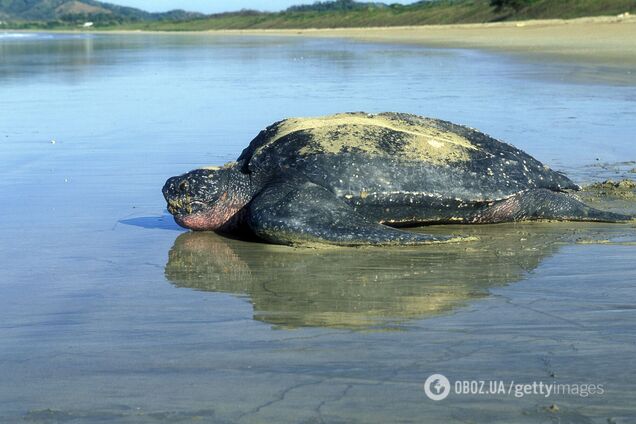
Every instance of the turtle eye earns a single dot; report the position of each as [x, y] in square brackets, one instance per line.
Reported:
[183, 185]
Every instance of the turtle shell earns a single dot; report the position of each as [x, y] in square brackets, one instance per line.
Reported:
[354, 154]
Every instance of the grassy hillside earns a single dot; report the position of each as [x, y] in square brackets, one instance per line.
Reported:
[68, 12]
[421, 13]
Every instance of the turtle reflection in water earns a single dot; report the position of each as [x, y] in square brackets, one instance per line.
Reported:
[353, 288]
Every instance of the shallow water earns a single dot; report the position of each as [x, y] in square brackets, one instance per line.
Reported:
[111, 313]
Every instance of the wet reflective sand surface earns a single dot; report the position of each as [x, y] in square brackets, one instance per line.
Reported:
[109, 312]
[374, 288]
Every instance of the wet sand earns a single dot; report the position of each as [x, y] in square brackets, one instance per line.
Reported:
[378, 288]
[599, 39]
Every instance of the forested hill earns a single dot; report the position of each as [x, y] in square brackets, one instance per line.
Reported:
[78, 10]
[349, 13]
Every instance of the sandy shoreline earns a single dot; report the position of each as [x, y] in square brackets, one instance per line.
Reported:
[610, 40]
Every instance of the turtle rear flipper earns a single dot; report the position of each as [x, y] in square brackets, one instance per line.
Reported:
[540, 204]
[295, 211]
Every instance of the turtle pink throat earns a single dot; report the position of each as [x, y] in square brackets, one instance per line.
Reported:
[216, 217]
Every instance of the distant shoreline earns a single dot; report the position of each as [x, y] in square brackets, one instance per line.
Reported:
[605, 39]
[610, 40]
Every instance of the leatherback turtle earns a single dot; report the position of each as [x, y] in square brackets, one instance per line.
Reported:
[351, 178]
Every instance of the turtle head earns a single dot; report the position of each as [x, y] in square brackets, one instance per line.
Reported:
[208, 198]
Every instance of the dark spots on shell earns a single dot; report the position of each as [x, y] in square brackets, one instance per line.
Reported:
[376, 163]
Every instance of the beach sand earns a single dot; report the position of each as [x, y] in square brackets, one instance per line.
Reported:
[610, 40]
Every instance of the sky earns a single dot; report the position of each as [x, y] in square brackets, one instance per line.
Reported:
[213, 6]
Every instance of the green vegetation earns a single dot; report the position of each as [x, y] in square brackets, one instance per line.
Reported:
[347, 13]
[322, 14]
[62, 13]
[330, 6]
[515, 5]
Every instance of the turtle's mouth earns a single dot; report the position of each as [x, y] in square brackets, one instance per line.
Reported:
[182, 206]
[199, 216]
[207, 218]
[199, 221]
[191, 214]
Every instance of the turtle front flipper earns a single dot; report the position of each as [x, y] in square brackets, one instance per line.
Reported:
[295, 211]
